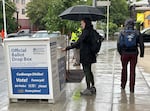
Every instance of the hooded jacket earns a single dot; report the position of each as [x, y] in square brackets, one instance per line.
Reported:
[84, 43]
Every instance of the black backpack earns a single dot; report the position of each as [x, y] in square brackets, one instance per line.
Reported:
[96, 41]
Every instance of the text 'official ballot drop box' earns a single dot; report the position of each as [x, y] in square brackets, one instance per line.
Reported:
[36, 68]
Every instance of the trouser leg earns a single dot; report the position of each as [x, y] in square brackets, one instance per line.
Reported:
[88, 74]
[74, 54]
[124, 60]
[78, 56]
[133, 62]
[92, 79]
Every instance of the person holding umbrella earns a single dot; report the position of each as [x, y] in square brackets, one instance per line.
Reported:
[86, 56]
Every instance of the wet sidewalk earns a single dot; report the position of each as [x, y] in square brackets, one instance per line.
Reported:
[109, 97]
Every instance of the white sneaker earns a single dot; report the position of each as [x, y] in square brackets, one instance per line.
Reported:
[93, 90]
[86, 92]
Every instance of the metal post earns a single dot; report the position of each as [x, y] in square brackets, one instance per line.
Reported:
[105, 3]
[17, 19]
[94, 5]
[107, 34]
[4, 19]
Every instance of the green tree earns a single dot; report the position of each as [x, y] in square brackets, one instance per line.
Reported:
[10, 20]
[46, 16]
[37, 10]
[118, 14]
[54, 22]
[112, 28]
[89, 2]
[118, 11]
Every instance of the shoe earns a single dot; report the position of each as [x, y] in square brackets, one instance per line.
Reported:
[122, 86]
[75, 64]
[86, 92]
[132, 90]
[93, 90]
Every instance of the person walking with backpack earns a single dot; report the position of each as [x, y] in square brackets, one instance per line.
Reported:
[87, 57]
[127, 45]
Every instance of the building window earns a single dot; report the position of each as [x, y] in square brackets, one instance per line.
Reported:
[23, 1]
[23, 11]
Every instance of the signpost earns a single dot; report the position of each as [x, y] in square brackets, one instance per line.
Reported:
[105, 3]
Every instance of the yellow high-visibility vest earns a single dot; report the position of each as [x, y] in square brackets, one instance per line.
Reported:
[74, 37]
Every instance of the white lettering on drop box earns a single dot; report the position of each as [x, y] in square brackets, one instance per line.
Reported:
[29, 69]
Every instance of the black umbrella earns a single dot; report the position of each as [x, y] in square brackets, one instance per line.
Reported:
[79, 12]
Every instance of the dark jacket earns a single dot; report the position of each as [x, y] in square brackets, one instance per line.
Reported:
[84, 43]
[140, 43]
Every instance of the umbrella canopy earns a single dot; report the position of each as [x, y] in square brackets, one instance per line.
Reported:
[79, 12]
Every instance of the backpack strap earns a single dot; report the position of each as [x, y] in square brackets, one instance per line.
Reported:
[122, 35]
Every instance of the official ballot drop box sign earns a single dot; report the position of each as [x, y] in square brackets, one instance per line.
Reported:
[33, 68]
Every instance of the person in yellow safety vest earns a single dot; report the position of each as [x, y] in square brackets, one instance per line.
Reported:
[79, 31]
[74, 37]
[76, 51]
